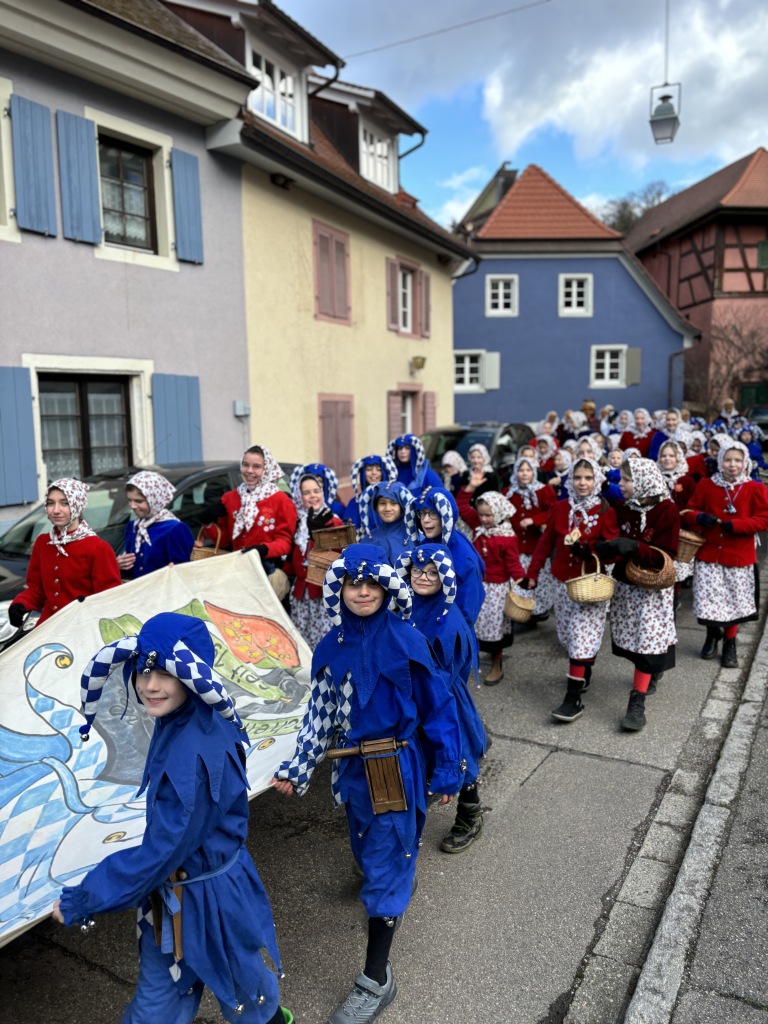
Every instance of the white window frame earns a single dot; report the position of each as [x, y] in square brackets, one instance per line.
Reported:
[162, 183]
[569, 310]
[602, 382]
[284, 68]
[9, 230]
[379, 170]
[139, 373]
[467, 354]
[501, 279]
[406, 291]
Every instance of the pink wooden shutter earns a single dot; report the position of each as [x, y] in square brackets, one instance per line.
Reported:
[426, 311]
[429, 406]
[340, 264]
[336, 434]
[324, 284]
[393, 296]
[394, 413]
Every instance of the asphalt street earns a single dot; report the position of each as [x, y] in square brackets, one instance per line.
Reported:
[549, 917]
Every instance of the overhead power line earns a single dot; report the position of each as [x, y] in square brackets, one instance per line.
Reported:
[449, 28]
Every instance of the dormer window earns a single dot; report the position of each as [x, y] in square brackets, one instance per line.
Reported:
[378, 157]
[280, 93]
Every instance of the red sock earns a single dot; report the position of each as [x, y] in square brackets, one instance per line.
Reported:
[730, 632]
[576, 671]
[641, 681]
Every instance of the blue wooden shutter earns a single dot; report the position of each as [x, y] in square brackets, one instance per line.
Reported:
[33, 166]
[78, 178]
[18, 465]
[178, 432]
[186, 206]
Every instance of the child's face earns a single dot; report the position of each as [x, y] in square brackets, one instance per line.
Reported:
[626, 485]
[527, 452]
[425, 580]
[584, 451]
[668, 457]
[57, 508]
[713, 448]
[583, 481]
[476, 460]
[623, 419]
[484, 514]
[524, 474]
[543, 448]
[388, 510]
[373, 474]
[615, 459]
[745, 437]
[363, 598]
[641, 420]
[312, 494]
[137, 503]
[559, 463]
[696, 445]
[160, 693]
[430, 524]
[672, 422]
[252, 468]
[733, 464]
[403, 454]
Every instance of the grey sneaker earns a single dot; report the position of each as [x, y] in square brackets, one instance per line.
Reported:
[366, 1000]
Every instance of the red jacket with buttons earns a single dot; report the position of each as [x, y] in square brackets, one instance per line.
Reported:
[502, 561]
[274, 525]
[643, 444]
[662, 530]
[55, 580]
[297, 566]
[683, 490]
[736, 548]
[528, 536]
[566, 565]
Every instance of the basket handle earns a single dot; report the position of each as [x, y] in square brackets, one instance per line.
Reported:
[584, 566]
[218, 539]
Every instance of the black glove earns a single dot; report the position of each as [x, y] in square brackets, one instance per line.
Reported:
[260, 549]
[16, 614]
[727, 525]
[581, 551]
[319, 520]
[212, 513]
[525, 583]
[705, 519]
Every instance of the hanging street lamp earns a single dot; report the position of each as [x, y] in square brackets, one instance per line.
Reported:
[665, 99]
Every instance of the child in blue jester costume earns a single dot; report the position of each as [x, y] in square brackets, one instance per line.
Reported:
[204, 917]
[374, 678]
[436, 515]
[370, 469]
[386, 518]
[413, 470]
[429, 570]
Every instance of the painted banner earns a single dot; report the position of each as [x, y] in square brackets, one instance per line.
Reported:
[65, 804]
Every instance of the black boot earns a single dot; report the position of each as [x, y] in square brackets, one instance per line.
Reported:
[714, 636]
[634, 720]
[729, 658]
[466, 828]
[572, 707]
[587, 678]
[655, 678]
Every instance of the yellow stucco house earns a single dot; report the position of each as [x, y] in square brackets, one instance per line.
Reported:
[348, 283]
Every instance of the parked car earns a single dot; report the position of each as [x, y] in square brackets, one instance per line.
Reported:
[501, 439]
[198, 485]
[758, 414]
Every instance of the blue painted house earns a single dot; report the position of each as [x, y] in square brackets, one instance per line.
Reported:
[557, 310]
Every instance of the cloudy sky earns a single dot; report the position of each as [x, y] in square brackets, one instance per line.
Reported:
[561, 83]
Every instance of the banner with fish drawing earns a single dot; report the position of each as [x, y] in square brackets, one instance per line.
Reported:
[64, 804]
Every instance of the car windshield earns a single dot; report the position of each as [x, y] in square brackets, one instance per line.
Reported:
[462, 442]
[758, 410]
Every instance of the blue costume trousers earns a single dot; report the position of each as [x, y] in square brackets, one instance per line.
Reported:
[158, 998]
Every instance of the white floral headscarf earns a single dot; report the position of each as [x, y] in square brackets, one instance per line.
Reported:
[250, 497]
[487, 467]
[76, 493]
[725, 447]
[158, 492]
[671, 476]
[648, 484]
[527, 492]
[503, 511]
[580, 507]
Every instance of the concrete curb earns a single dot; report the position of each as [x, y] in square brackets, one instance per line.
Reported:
[662, 974]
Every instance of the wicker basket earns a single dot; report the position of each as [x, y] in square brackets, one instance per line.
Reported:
[590, 588]
[200, 553]
[652, 579]
[688, 545]
[317, 565]
[518, 608]
[334, 538]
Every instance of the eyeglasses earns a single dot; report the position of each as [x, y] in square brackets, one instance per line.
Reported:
[427, 513]
[429, 574]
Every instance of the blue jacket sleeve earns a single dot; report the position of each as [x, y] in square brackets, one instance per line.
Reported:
[179, 543]
[440, 727]
[127, 877]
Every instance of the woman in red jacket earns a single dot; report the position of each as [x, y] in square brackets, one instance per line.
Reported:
[496, 544]
[581, 520]
[258, 516]
[681, 483]
[642, 620]
[314, 488]
[69, 562]
[639, 436]
[532, 501]
[731, 509]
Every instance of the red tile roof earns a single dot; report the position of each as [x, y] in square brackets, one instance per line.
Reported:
[742, 184]
[536, 207]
